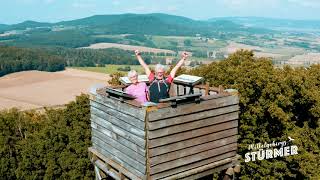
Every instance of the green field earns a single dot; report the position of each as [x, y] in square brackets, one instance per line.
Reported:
[109, 69]
[169, 42]
[196, 44]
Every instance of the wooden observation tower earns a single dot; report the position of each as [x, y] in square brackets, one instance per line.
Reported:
[188, 136]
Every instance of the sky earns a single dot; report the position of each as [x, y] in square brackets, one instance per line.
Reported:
[17, 11]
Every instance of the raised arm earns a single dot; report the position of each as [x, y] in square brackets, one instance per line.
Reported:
[180, 63]
[143, 64]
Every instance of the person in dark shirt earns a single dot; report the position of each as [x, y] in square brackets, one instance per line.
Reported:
[159, 84]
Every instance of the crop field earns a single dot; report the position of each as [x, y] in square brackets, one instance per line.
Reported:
[37, 89]
[109, 69]
[128, 47]
[196, 43]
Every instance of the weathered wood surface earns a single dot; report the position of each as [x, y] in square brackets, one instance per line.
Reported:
[121, 107]
[192, 134]
[114, 164]
[205, 169]
[122, 148]
[130, 119]
[118, 122]
[102, 92]
[118, 130]
[118, 138]
[118, 161]
[207, 88]
[179, 89]
[197, 175]
[118, 157]
[192, 150]
[177, 98]
[180, 169]
[219, 101]
[100, 165]
[191, 142]
[179, 141]
[192, 125]
[193, 158]
[191, 117]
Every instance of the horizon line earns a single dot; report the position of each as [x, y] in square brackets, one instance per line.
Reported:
[216, 17]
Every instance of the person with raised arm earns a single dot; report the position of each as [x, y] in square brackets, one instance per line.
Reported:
[159, 84]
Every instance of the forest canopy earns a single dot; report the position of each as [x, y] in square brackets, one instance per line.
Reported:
[275, 103]
[13, 59]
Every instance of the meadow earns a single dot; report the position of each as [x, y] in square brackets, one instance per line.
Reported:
[110, 69]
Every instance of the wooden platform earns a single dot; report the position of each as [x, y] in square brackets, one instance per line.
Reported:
[189, 141]
[106, 167]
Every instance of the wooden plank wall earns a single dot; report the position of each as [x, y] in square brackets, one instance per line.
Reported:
[179, 89]
[192, 135]
[118, 133]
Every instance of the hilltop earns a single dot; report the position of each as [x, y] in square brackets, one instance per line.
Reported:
[152, 24]
[273, 23]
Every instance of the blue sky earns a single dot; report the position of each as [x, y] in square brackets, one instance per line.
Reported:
[16, 11]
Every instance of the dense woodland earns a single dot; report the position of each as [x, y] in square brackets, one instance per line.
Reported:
[14, 59]
[275, 103]
[50, 145]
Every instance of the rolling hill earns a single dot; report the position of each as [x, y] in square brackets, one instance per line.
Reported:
[3, 27]
[272, 23]
[152, 24]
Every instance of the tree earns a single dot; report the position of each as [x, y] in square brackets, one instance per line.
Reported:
[274, 104]
[49, 145]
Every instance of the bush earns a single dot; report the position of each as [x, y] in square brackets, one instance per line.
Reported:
[126, 68]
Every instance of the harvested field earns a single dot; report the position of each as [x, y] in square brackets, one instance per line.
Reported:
[233, 47]
[36, 89]
[304, 59]
[127, 47]
[260, 52]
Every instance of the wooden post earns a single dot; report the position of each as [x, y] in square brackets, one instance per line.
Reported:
[236, 169]
[97, 173]
[221, 89]
[206, 89]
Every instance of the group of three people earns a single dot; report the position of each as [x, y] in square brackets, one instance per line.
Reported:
[159, 84]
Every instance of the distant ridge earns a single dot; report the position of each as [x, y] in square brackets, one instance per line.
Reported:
[3, 27]
[272, 23]
[173, 22]
[153, 24]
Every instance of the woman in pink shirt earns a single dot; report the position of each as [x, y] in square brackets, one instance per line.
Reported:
[137, 89]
